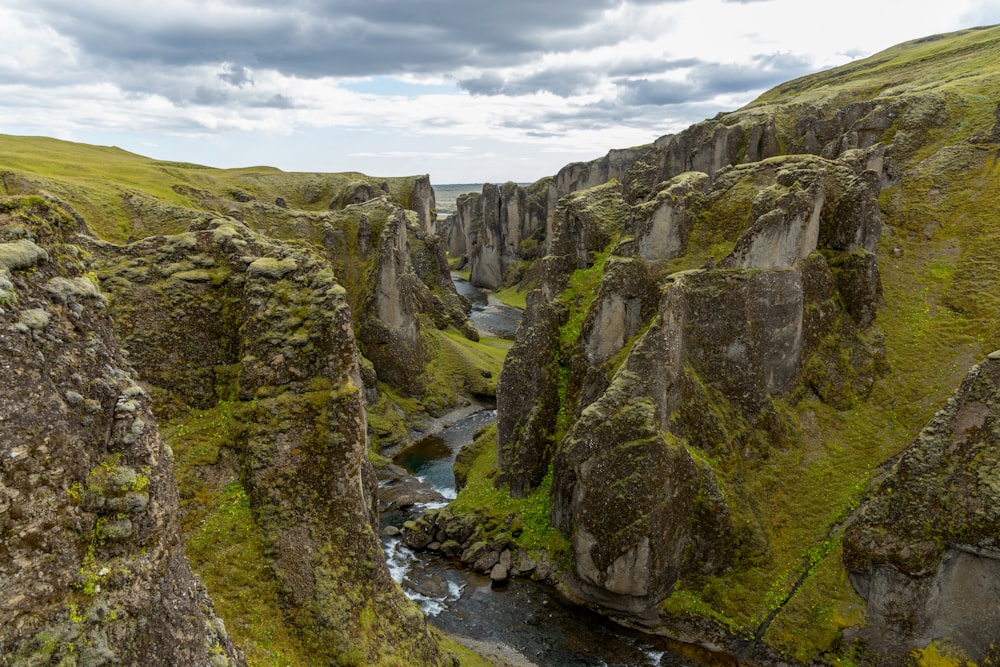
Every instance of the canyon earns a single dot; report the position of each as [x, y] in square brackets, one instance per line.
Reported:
[750, 405]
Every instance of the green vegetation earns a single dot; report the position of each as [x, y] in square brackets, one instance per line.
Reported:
[466, 657]
[222, 540]
[125, 196]
[461, 367]
[941, 307]
[526, 520]
[515, 297]
[582, 288]
[938, 655]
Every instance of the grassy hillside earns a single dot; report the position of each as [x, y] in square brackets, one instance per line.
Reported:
[933, 105]
[940, 316]
[126, 196]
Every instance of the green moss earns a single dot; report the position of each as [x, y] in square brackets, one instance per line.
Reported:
[459, 366]
[222, 539]
[20, 255]
[480, 496]
[515, 297]
[582, 288]
[937, 654]
[227, 553]
[271, 267]
[824, 604]
[466, 656]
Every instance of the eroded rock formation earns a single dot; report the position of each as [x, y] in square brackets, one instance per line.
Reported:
[923, 550]
[92, 565]
[265, 325]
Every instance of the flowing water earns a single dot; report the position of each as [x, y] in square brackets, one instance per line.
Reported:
[491, 317]
[523, 622]
[524, 618]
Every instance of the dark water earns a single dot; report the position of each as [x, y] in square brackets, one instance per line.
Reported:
[489, 316]
[525, 616]
[433, 458]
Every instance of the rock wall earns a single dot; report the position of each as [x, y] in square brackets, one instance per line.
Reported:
[852, 132]
[92, 565]
[923, 548]
[528, 387]
[497, 229]
[700, 354]
[265, 324]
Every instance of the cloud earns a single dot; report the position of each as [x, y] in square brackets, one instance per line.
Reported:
[591, 73]
[315, 38]
[236, 75]
[559, 80]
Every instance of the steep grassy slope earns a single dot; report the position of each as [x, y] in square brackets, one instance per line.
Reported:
[923, 117]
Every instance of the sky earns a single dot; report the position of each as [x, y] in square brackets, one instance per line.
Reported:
[468, 91]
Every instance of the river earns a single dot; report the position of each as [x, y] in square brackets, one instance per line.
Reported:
[489, 315]
[523, 622]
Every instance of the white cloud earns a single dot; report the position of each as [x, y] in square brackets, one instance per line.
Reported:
[546, 82]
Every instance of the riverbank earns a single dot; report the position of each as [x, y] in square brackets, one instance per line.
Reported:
[518, 620]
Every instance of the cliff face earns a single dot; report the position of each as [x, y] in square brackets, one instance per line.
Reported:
[92, 565]
[923, 550]
[496, 230]
[264, 328]
[246, 347]
[745, 320]
[724, 338]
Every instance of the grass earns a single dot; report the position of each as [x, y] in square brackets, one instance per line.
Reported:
[961, 61]
[581, 290]
[515, 297]
[481, 496]
[460, 367]
[222, 540]
[105, 184]
[939, 318]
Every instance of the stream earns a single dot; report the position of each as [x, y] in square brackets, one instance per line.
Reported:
[522, 623]
[489, 314]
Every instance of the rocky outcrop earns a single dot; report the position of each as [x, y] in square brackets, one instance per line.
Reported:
[421, 201]
[500, 227]
[464, 538]
[396, 276]
[923, 548]
[223, 314]
[585, 175]
[664, 371]
[660, 227]
[528, 396]
[92, 565]
[528, 388]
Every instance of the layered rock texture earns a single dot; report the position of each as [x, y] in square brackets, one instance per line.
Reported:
[630, 486]
[924, 549]
[733, 328]
[93, 564]
[709, 421]
[209, 383]
[265, 327]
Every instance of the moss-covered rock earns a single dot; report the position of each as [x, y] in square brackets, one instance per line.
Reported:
[93, 565]
[272, 335]
[923, 550]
